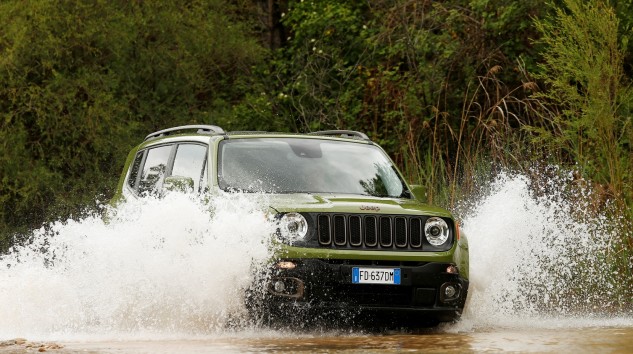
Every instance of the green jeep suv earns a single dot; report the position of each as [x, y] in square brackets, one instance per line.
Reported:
[352, 237]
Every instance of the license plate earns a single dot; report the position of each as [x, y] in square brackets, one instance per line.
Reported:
[376, 275]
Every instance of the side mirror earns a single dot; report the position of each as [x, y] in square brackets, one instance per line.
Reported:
[178, 184]
[419, 192]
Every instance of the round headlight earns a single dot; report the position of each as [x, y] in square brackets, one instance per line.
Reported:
[436, 231]
[293, 227]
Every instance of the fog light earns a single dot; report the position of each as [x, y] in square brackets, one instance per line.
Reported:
[289, 287]
[279, 286]
[450, 291]
[451, 269]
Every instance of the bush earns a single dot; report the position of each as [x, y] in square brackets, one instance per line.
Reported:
[81, 82]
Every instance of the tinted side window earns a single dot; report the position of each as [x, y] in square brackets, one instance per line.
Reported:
[131, 180]
[189, 162]
[154, 169]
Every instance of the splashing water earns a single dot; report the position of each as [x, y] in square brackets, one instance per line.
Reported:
[166, 267]
[538, 258]
[172, 269]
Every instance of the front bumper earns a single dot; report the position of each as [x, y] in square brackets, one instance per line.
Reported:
[325, 286]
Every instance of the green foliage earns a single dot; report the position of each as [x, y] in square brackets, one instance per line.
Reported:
[397, 70]
[317, 70]
[624, 12]
[583, 71]
[82, 82]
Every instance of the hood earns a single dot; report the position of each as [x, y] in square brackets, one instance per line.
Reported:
[355, 204]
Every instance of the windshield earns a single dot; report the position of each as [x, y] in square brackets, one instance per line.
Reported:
[293, 165]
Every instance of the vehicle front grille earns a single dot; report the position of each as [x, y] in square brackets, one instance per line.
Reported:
[371, 231]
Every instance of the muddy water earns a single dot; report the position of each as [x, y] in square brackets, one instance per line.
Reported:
[169, 277]
[561, 340]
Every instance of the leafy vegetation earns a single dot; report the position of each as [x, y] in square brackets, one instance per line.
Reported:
[81, 82]
[454, 90]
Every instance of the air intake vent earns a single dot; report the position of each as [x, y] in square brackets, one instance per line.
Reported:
[371, 231]
[340, 234]
[325, 236]
[385, 231]
[401, 232]
[355, 231]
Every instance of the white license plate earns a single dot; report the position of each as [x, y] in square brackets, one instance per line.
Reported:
[376, 275]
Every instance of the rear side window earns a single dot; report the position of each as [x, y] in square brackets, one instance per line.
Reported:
[154, 170]
[131, 179]
[190, 162]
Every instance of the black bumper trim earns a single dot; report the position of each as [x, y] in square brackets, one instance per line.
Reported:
[328, 286]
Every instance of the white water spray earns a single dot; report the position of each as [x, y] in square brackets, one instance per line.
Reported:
[165, 267]
[538, 258]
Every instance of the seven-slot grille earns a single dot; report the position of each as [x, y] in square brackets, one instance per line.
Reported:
[371, 231]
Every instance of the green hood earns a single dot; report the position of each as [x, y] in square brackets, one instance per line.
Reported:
[347, 203]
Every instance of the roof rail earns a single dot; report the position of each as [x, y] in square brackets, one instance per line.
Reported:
[201, 129]
[247, 132]
[343, 134]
